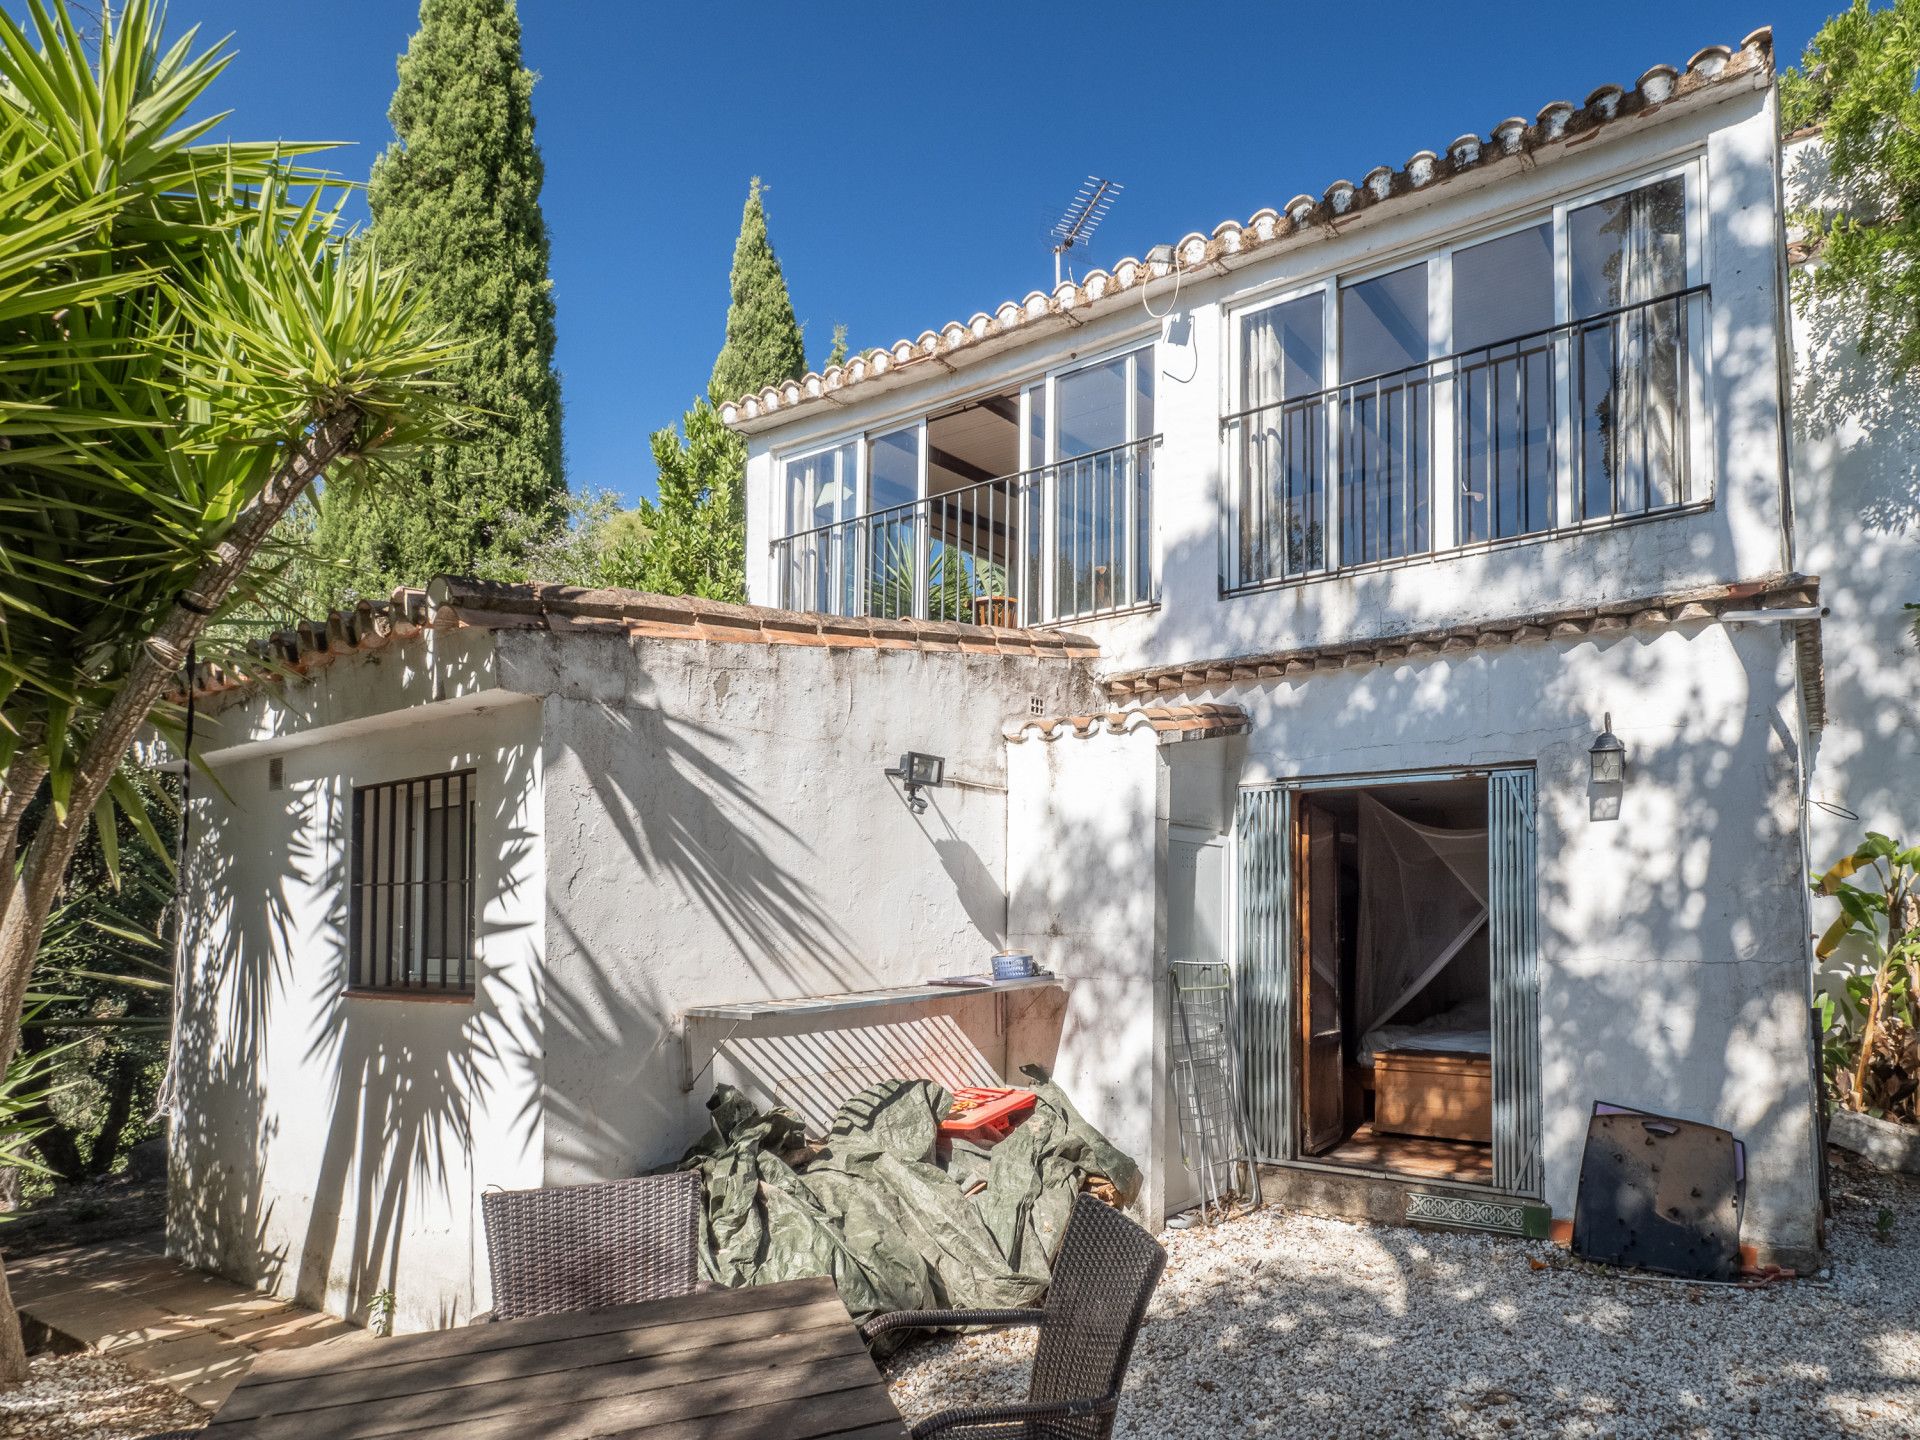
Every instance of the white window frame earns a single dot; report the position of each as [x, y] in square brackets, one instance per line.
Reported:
[1047, 378]
[1438, 255]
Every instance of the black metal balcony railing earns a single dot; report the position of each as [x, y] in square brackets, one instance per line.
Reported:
[1601, 402]
[1063, 541]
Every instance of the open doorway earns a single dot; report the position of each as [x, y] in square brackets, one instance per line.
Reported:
[1391, 929]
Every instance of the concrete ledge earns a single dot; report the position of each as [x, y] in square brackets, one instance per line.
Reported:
[1881, 1143]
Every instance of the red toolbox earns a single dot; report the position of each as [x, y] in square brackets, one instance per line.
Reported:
[985, 1113]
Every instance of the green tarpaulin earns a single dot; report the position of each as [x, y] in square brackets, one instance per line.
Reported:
[900, 1221]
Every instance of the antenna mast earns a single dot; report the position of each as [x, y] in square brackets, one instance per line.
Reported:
[1084, 213]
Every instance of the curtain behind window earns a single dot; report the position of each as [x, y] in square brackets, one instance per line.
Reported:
[1631, 251]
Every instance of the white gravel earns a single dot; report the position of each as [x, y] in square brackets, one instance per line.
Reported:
[1289, 1325]
[88, 1397]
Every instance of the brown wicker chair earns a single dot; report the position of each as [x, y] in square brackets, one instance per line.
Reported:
[576, 1247]
[1103, 1278]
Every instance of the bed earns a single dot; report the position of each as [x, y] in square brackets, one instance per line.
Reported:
[1466, 1029]
[1434, 1078]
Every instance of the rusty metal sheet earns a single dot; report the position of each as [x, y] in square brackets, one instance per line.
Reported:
[1660, 1194]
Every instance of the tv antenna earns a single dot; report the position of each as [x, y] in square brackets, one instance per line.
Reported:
[1084, 213]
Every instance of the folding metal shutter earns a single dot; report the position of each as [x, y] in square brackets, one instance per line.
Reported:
[1514, 957]
[1266, 971]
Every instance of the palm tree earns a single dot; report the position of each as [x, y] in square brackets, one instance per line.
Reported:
[190, 340]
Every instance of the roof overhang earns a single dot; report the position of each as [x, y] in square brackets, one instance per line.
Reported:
[1514, 146]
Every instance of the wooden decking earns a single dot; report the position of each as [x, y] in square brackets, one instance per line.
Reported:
[192, 1332]
[765, 1362]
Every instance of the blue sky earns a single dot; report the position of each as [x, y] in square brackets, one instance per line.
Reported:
[916, 154]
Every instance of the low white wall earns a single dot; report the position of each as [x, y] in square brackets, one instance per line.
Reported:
[720, 829]
[1672, 938]
[325, 1147]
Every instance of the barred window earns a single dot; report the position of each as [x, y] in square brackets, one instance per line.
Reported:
[411, 908]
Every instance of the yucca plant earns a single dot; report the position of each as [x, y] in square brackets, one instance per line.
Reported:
[190, 340]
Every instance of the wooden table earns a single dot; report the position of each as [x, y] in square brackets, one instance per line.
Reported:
[778, 1361]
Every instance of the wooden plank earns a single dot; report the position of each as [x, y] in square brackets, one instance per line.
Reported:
[508, 1334]
[847, 1389]
[863, 1414]
[572, 1352]
[686, 1382]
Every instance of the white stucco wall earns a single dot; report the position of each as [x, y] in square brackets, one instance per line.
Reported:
[720, 829]
[1672, 938]
[1086, 867]
[1856, 494]
[328, 1147]
[1737, 536]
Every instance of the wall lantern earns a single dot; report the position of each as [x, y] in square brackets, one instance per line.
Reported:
[916, 772]
[1608, 756]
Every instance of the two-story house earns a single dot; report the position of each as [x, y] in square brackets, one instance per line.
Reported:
[1398, 594]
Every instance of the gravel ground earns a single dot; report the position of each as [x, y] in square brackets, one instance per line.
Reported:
[88, 1397]
[1289, 1325]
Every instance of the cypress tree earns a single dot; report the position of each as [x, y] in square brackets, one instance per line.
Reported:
[456, 199]
[698, 539]
[764, 344]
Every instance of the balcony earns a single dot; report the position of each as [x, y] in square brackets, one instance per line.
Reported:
[1584, 424]
[1067, 541]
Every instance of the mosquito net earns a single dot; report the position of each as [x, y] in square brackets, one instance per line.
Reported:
[1423, 895]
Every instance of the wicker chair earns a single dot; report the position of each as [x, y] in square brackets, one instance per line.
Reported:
[1103, 1278]
[576, 1247]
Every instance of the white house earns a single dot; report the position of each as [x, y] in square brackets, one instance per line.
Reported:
[1267, 600]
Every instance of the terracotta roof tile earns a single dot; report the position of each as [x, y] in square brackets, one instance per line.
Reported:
[1513, 142]
[1646, 612]
[1169, 723]
[453, 602]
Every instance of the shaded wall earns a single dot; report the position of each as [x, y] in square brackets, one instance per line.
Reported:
[330, 1148]
[1856, 495]
[1672, 915]
[721, 829]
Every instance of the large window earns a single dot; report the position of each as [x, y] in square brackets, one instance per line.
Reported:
[1539, 378]
[821, 494]
[1629, 257]
[410, 906]
[1100, 514]
[1030, 505]
[1385, 462]
[1502, 316]
[1283, 485]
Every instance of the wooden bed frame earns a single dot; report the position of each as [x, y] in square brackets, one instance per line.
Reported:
[1440, 1094]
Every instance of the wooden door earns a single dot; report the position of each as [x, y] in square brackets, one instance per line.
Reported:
[1317, 929]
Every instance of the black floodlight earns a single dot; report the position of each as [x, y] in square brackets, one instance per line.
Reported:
[917, 771]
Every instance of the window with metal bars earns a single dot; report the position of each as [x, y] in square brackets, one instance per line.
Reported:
[411, 907]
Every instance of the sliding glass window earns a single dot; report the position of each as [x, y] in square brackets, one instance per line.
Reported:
[890, 539]
[1101, 517]
[822, 492]
[1385, 417]
[1538, 378]
[1503, 385]
[1629, 267]
[1283, 494]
